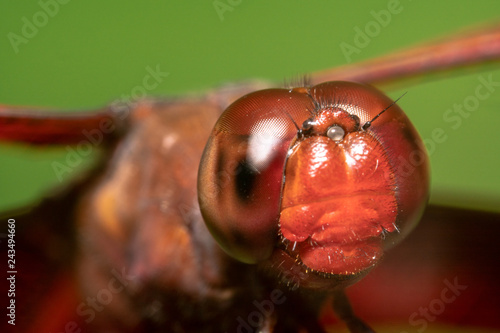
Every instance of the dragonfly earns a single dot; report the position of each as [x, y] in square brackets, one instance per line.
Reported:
[223, 99]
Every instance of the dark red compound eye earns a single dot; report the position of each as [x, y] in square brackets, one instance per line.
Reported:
[327, 195]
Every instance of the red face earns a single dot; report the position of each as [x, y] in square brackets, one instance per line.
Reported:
[301, 181]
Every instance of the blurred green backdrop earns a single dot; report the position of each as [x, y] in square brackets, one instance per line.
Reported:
[72, 54]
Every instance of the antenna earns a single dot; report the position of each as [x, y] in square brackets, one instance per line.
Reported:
[369, 123]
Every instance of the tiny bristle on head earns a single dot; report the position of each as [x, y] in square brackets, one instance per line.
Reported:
[297, 81]
[333, 101]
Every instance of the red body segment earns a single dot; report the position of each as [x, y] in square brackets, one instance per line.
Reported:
[337, 197]
[41, 127]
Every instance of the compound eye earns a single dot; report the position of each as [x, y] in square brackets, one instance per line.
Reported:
[241, 171]
[336, 133]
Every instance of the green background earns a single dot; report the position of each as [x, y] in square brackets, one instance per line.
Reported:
[92, 52]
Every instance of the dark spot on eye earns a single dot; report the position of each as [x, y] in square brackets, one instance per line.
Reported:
[245, 179]
[357, 120]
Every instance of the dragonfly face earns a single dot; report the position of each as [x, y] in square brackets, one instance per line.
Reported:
[323, 194]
